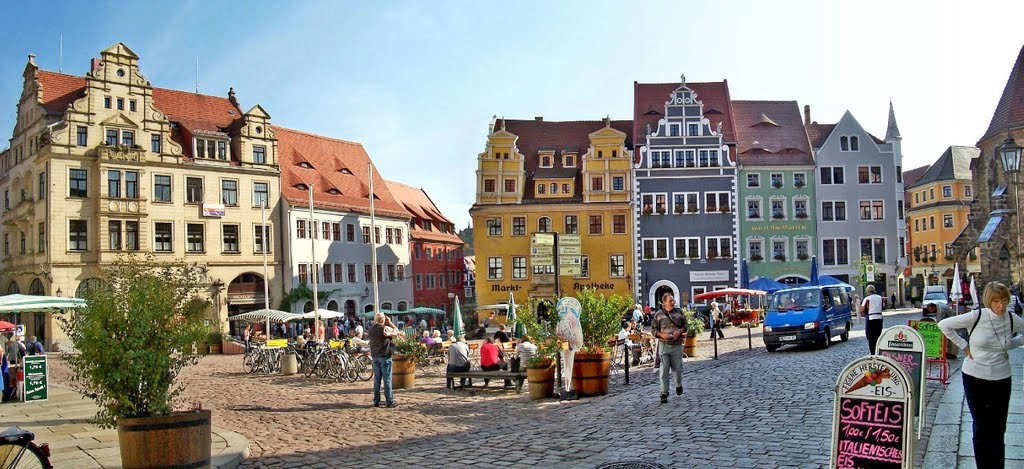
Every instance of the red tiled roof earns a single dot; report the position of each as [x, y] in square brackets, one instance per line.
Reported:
[771, 132]
[204, 112]
[417, 202]
[534, 134]
[328, 156]
[818, 133]
[1010, 110]
[911, 177]
[649, 106]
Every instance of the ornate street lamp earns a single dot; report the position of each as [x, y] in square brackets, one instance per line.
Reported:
[1010, 153]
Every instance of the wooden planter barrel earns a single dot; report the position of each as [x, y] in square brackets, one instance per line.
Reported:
[690, 346]
[403, 372]
[181, 439]
[590, 373]
[215, 348]
[542, 380]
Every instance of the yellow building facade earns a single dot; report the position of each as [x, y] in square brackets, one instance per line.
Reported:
[106, 164]
[567, 178]
[938, 208]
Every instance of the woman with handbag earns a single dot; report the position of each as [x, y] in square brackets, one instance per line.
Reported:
[986, 370]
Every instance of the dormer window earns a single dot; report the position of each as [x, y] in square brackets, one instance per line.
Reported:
[305, 164]
[570, 161]
[541, 188]
[554, 188]
[333, 191]
[545, 161]
[208, 148]
[302, 187]
[345, 171]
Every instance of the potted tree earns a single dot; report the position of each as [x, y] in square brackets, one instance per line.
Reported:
[600, 317]
[137, 333]
[694, 326]
[408, 351]
[216, 338]
[540, 369]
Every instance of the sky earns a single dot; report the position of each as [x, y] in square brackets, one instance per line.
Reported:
[418, 82]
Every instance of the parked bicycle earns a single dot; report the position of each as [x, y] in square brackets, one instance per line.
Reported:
[262, 359]
[18, 451]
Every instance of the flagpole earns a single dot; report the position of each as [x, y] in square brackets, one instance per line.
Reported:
[313, 269]
[373, 243]
[266, 269]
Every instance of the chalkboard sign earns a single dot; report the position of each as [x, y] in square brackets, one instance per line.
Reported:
[35, 385]
[906, 347]
[873, 413]
[934, 341]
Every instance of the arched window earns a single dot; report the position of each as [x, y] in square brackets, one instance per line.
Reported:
[13, 288]
[554, 188]
[368, 308]
[385, 305]
[333, 305]
[544, 224]
[36, 288]
[86, 286]
[402, 306]
[350, 308]
[308, 307]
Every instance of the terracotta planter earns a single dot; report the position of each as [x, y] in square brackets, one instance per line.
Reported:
[403, 372]
[690, 346]
[590, 373]
[542, 380]
[181, 439]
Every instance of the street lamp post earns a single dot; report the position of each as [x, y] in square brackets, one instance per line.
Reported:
[1010, 154]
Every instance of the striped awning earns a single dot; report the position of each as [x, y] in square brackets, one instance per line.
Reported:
[276, 315]
[17, 303]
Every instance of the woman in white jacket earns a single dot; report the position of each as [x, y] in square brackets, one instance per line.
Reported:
[986, 370]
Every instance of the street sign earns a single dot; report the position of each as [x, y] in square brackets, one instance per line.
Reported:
[569, 260]
[570, 270]
[872, 415]
[542, 250]
[565, 240]
[869, 272]
[542, 260]
[544, 239]
[35, 385]
[19, 330]
[569, 250]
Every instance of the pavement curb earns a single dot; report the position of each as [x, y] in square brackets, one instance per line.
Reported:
[237, 450]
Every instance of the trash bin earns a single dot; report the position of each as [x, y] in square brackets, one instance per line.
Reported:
[289, 364]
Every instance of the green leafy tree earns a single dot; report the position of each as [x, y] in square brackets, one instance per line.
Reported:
[601, 318]
[136, 334]
[541, 329]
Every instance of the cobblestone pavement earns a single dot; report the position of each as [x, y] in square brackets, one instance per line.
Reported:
[749, 408]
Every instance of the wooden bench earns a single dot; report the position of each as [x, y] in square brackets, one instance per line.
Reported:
[518, 376]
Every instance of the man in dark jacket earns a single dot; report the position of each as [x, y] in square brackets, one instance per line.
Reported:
[381, 331]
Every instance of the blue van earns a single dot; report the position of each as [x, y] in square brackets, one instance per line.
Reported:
[811, 314]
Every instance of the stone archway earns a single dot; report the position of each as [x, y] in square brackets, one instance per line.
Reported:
[350, 308]
[402, 306]
[660, 288]
[333, 305]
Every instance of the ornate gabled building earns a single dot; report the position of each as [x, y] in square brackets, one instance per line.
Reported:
[105, 164]
[937, 212]
[860, 195]
[435, 250]
[995, 224]
[685, 206]
[776, 188]
[570, 178]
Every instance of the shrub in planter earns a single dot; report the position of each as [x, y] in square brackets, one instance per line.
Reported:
[600, 318]
[408, 352]
[134, 337]
[694, 327]
[540, 368]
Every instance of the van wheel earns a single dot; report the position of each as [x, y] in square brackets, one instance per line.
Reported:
[846, 333]
[771, 348]
[826, 340]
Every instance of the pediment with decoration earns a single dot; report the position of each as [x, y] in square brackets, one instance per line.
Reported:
[120, 120]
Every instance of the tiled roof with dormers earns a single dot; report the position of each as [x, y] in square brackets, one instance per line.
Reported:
[771, 133]
[417, 202]
[537, 134]
[1010, 109]
[954, 164]
[337, 165]
[649, 106]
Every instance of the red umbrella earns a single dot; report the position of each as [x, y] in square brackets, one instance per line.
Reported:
[4, 325]
[727, 291]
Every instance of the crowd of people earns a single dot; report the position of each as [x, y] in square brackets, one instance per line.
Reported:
[13, 350]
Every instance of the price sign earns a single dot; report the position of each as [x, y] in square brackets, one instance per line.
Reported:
[872, 416]
[934, 341]
[35, 385]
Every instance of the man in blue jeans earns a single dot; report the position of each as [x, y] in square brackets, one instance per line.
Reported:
[381, 331]
[669, 326]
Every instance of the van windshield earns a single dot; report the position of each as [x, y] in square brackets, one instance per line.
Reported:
[935, 296]
[796, 299]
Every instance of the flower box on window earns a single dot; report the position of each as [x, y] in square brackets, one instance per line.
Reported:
[803, 256]
[661, 210]
[801, 215]
[756, 258]
[778, 216]
[777, 184]
[724, 210]
[647, 210]
[679, 209]
[780, 257]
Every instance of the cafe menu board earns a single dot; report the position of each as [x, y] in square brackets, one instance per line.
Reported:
[906, 346]
[934, 343]
[873, 415]
[36, 383]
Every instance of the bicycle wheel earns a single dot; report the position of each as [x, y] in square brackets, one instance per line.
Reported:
[247, 363]
[313, 362]
[28, 456]
[364, 367]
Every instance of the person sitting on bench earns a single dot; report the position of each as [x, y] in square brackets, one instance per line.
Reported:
[458, 359]
[491, 359]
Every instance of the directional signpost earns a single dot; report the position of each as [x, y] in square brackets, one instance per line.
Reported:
[570, 263]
